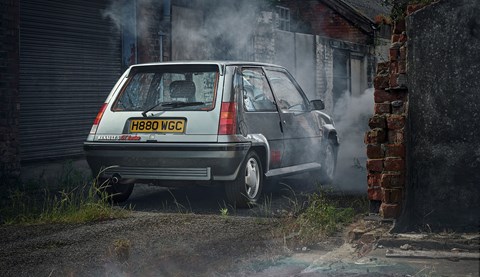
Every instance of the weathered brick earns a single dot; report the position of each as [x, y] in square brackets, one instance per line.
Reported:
[394, 164]
[396, 136]
[375, 151]
[375, 136]
[395, 121]
[390, 210]
[393, 51]
[395, 38]
[377, 121]
[414, 7]
[374, 179]
[399, 106]
[375, 193]
[403, 53]
[399, 26]
[382, 67]
[402, 80]
[393, 68]
[381, 81]
[392, 180]
[393, 81]
[392, 196]
[394, 150]
[375, 165]
[382, 108]
[402, 67]
[381, 96]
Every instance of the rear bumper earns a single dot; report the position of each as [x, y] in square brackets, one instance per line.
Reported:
[166, 161]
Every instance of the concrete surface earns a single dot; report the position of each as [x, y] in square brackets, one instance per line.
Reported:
[387, 255]
[443, 152]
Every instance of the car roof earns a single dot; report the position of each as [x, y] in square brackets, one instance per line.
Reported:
[200, 62]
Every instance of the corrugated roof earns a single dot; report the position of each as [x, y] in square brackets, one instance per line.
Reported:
[369, 8]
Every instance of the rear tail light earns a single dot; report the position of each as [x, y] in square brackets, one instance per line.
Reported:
[93, 131]
[228, 119]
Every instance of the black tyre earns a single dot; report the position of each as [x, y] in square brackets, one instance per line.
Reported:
[115, 193]
[245, 190]
[329, 164]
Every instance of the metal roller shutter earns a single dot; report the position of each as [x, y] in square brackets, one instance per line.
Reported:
[70, 58]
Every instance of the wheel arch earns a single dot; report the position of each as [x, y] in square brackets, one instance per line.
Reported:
[331, 134]
[261, 146]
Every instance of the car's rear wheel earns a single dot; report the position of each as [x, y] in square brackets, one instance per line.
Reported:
[245, 190]
[329, 164]
[114, 192]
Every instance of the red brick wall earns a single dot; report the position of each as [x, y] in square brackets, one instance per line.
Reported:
[9, 95]
[386, 140]
[324, 21]
[148, 27]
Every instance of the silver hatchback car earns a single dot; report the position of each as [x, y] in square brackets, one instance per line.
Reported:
[233, 123]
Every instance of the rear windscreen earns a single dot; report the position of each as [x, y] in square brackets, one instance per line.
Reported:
[158, 88]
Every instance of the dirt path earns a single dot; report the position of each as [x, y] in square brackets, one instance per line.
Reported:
[145, 244]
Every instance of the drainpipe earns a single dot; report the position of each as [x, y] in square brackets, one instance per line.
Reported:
[161, 34]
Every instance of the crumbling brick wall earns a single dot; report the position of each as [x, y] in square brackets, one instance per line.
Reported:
[386, 140]
[9, 95]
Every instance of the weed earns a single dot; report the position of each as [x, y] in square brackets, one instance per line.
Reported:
[266, 207]
[180, 208]
[324, 215]
[121, 248]
[398, 7]
[295, 207]
[224, 212]
[78, 202]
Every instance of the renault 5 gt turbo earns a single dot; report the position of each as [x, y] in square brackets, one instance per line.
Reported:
[231, 123]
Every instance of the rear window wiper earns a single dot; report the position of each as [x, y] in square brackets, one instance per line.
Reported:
[172, 105]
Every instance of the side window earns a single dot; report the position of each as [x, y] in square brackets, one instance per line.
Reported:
[289, 98]
[257, 95]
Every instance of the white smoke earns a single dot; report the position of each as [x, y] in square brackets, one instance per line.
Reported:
[351, 118]
[124, 14]
[222, 31]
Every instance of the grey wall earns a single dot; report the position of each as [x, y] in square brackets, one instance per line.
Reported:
[443, 148]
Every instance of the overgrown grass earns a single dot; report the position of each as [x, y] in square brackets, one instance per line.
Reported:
[325, 214]
[77, 202]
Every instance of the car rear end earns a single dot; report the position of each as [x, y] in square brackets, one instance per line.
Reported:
[168, 121]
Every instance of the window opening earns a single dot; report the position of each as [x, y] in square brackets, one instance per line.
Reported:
[283, 18]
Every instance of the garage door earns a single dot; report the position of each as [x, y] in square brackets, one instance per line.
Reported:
[70, 58]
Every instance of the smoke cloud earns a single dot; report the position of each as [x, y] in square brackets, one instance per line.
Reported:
[123, 14]
[351, 117]
[222, 30]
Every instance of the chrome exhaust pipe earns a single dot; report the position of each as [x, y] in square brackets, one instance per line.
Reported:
[115, 178]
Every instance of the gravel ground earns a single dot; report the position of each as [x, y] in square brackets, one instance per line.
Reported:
[145, 244]
[169, 233]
